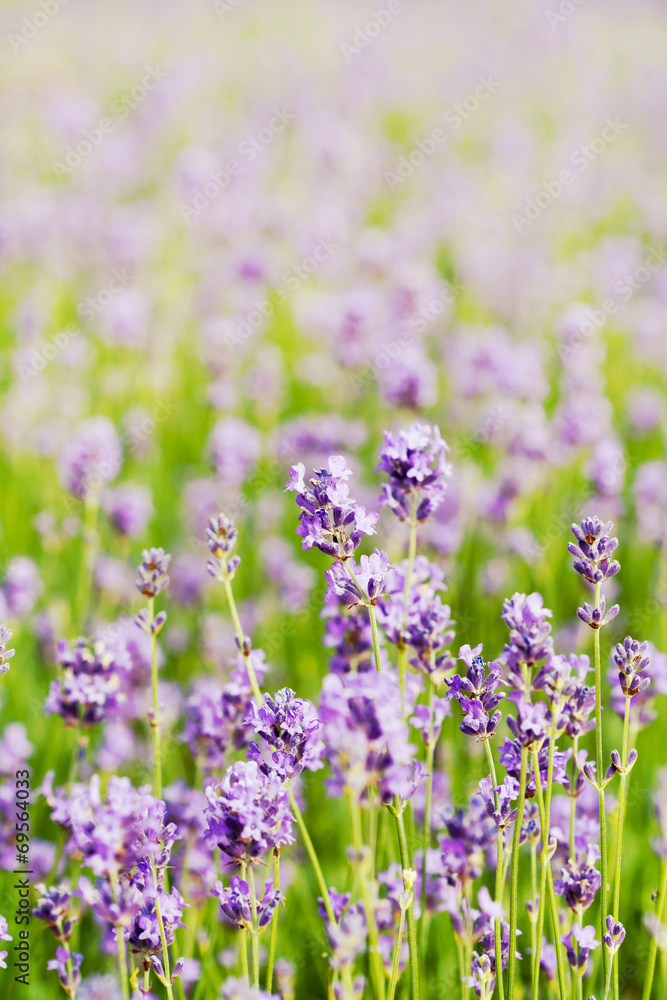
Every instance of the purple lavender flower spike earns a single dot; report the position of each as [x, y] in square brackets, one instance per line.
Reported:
[221, 537]
[597, 617]
[237, 907]
[248, 812]
[92, 685]
[585, 940]
[507, 793]
[579, 882]
[531, 726]
[129, 508]
[614, 936]
[53, 907]
[415, 461]
[59, 963]
[5, 654]
[152, 572]
[530, 639]
[594, 550]
[477, 694]
[330, 519]
[632, 660]
[368, 585]
[91, 459]
[290, 726]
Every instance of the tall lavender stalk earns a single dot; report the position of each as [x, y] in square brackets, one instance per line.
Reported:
[593, 562]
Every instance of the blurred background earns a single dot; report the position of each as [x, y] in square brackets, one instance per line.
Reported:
[250, 234]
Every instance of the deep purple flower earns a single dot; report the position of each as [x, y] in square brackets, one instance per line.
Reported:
[236, 904]
[129, 508]
[91, 458]
[594, 550]
[477, 694]
[152, 572]
[415, 461]
[145, 935]
[91, 686]
[639, 687]
[290, 726]
[330, 519]
[578, 884]
[248, 812]
[585, 943]
[5, 654]
[368, 582]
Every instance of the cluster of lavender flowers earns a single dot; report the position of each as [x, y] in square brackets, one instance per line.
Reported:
[155, 854]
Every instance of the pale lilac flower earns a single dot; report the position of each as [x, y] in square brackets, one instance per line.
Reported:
[91, 459]
[129, 508]
[415, 461]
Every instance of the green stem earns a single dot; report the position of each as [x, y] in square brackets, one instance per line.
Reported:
[619, 834]
[244, 937]
[546, 863]
[240, 635]
[274, 922]
[514, 890]
[120, 944]
[600, 777]
[397, 955]
[305, 836]
[163, 937]
[254, 940]
[608, 982]
[659, 909]
[573, 797]
[377, 965]
[376, 640]
[500, 881]
[412, 552]
[546, 826]
[412, 928]
[155, 721]
[426, 841]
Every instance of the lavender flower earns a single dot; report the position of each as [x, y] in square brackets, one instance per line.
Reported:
[145, 934]
[291, 727]
[578, 883]
[59, 964]
[614, 936]
[129, 508]
[585, 941]
[22, 586]
[631, 659]
[54, 908]
[221, 536]
[91, 686]
[91, 459]
[248, 812]
[507, 792]
[531, 725]
[4, 936]
[236, 904]
[152, 572]
[348, 633]
[599, 616]
[330, 519]
[366, 585]
[5, 654]
[415, 461]
[530, 639]
[593, 550]
[477, 694]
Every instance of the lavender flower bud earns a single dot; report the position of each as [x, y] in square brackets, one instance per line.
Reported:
[593, 550]
[152, 576]
[614, 936]
[415, 461]
[596, 617]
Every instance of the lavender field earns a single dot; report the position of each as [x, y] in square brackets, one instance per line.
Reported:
[333, 519]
